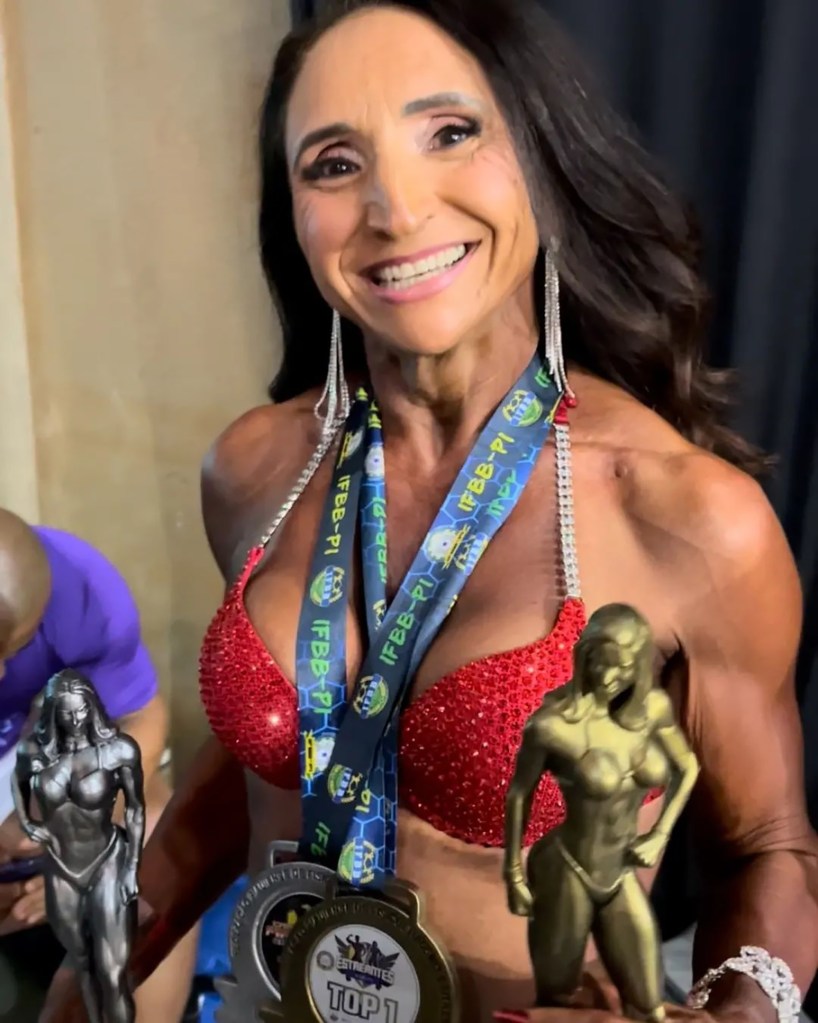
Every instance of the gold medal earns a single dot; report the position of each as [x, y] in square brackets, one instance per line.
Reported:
[367, 958]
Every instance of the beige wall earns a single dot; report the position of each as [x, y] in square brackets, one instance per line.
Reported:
[144, 326]
[18, 471]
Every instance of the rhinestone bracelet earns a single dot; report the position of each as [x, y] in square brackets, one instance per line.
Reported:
[772, 975]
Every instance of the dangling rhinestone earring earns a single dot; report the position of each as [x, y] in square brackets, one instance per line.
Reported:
[336, 397]
[564, 474]
[336, 393]
[553, 328]
[556, 366]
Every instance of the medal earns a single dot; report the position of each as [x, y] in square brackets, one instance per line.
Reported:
[261, 924]
[363, 957]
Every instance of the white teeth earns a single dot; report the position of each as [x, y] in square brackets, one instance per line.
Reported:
[404, 275]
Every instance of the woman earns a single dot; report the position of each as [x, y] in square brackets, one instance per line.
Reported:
[607, 756]
[75, 766]
[427, 169]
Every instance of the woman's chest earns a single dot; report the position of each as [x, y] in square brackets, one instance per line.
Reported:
[510, 595]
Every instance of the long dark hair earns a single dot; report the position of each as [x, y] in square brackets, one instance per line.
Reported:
[634, 305]
[47, 731]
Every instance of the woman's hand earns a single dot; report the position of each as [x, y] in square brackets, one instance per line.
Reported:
[23, 902]
[673, 1014]
[597, 1000]
[19, 842]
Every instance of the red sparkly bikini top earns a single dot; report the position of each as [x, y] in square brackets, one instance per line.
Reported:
[458, 740]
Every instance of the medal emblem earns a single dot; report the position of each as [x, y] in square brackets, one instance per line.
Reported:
[262, 921]
[363, 957]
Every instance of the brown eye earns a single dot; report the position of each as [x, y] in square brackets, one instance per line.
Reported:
[455, 134]
[328, 167]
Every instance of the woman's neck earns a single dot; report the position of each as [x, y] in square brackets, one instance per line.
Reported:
[434, 403]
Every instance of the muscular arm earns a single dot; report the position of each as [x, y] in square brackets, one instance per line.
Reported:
[197, 849]
[739, 630]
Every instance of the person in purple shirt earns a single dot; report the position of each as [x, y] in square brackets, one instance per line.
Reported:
[64, 605]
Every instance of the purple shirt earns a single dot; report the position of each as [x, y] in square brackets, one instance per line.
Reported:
[90, 624]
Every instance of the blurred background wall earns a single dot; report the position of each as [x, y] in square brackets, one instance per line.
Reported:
[134, 323]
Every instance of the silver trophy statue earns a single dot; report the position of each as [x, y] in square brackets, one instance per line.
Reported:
[70, 771]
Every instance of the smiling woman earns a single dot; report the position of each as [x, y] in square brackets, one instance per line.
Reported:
[369, 180]
[448, 219]
[633, 304]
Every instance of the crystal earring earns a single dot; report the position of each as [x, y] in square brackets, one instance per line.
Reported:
[556, 366]
[332, 407]
[336, 398]
[553, 327]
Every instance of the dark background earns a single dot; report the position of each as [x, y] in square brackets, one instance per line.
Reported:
[725, 92]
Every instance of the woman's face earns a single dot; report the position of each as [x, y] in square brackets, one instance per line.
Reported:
[72, 714]
[409, 201]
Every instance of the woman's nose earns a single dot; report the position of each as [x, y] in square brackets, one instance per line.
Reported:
[399, 199]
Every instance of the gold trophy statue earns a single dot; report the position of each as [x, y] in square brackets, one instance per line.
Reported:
[609, 737]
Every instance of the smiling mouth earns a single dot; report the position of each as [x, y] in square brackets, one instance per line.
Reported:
[400, 276]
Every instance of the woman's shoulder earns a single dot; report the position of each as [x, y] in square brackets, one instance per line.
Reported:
[708, 508]
[678, 497]
[705, 525]
[250, 469]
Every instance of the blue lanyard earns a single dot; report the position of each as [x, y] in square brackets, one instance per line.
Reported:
[348, 749]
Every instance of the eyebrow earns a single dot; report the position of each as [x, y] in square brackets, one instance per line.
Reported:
[416, 106]
[441, 99]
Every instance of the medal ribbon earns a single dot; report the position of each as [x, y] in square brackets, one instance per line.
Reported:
[348, 748]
